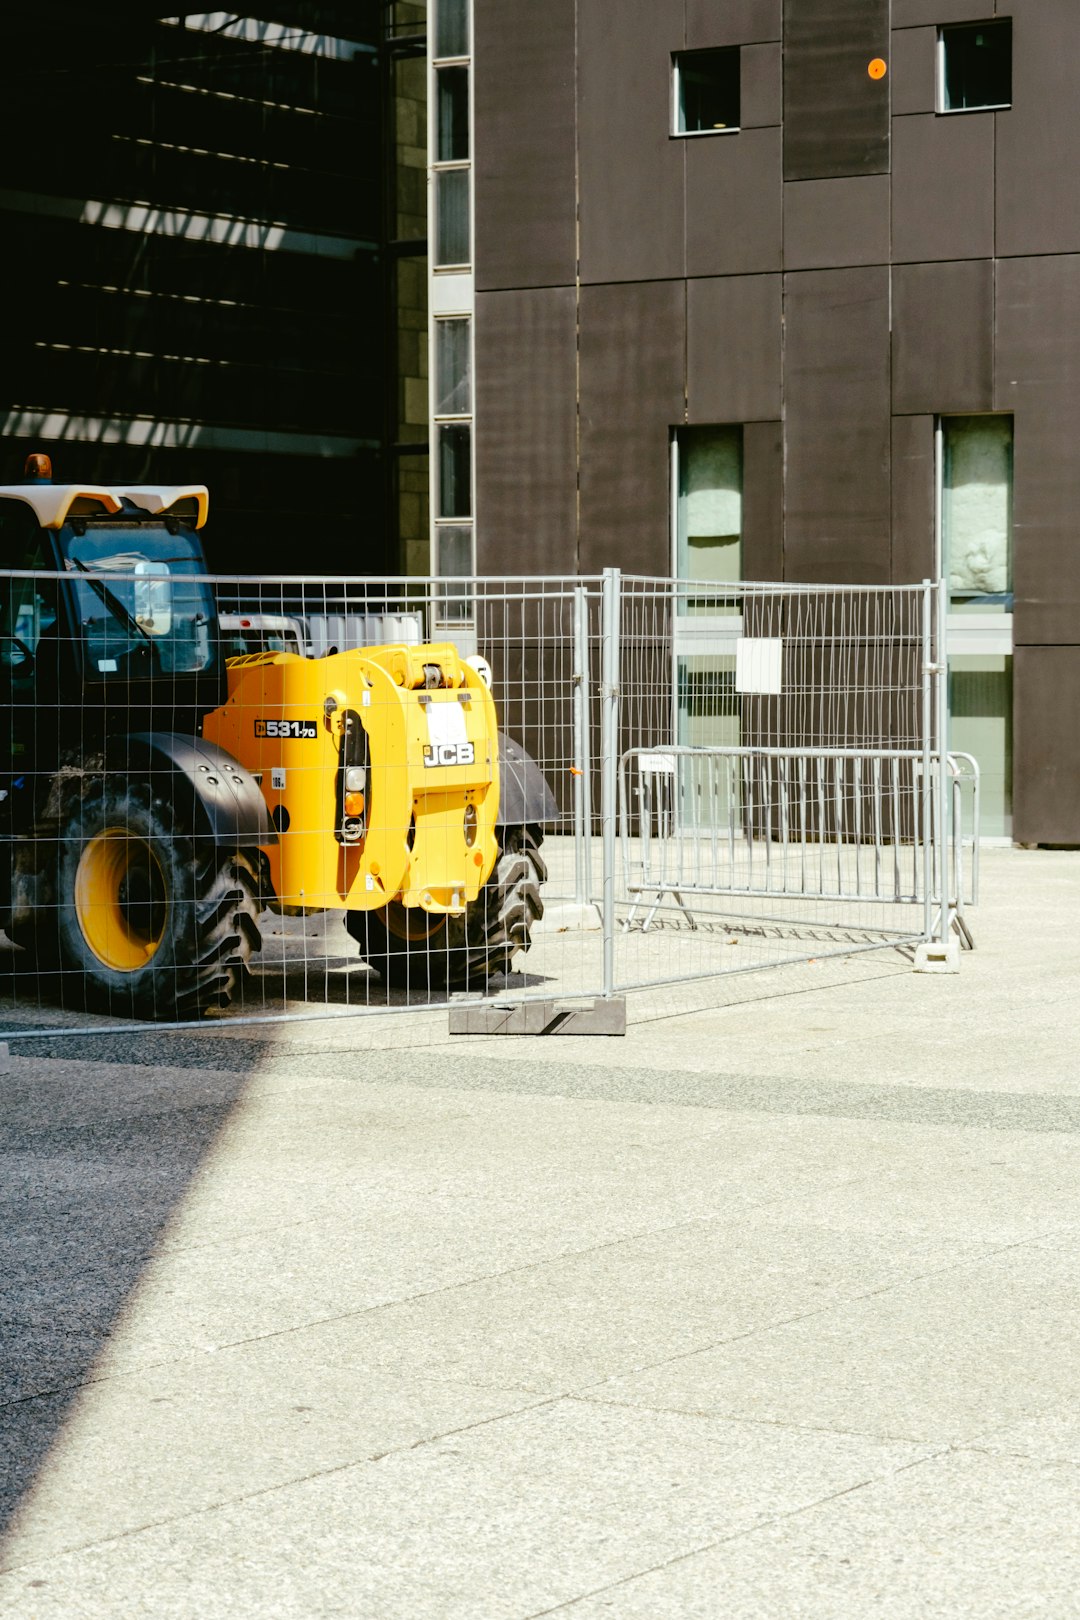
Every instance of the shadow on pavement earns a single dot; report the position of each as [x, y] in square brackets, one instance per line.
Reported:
[101, 1136]
[94, 1161]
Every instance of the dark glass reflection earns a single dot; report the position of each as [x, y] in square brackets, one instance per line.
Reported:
[452, 216]
[453, 393]
[452, 27]
[978, 66]
[455, 470]
[709, 91]
[453, 92]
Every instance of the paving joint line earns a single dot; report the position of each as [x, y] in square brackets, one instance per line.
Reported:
[739, 1417]
[737, 1535]
[194, 1353]
[411, 1299]
[822, 1310]
[1018, 1456]
[268, 1490]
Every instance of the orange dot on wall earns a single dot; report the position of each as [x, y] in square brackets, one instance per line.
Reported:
[877, 69]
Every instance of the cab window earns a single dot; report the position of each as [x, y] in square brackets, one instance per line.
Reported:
[28, 607]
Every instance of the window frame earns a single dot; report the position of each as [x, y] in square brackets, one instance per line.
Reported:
[677, 105]
[945, 111]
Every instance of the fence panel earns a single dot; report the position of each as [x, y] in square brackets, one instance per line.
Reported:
[264, 799]
[781, 750]
[218, 804]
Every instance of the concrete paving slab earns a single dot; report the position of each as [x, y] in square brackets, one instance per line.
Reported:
[491, 1195]
[151, 1447]
[503, 1520]
[568, 1323]
[1008, 1019]
[37, 1360]
[535, 1163]
[868, 1175]
[533, 1069]
[958, 1535]
[1052, 1435]
[938, 1359]
[983, 1188]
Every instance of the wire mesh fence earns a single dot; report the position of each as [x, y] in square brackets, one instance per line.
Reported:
[261, 799]
[781, 749]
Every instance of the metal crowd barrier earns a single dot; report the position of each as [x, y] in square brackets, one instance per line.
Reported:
[843, 825]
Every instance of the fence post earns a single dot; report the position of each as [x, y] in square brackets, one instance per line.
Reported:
[944, 797]
[582, 750]
[609, 759]
[926, 802]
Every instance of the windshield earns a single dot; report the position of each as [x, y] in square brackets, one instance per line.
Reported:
[136, 593]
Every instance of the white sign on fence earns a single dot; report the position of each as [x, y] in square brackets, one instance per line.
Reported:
[658, 764]
[758, 665]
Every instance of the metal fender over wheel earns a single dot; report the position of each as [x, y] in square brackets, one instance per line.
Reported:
[149, 923]
[420, 950]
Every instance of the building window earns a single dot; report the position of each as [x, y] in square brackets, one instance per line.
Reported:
[975, 461]
[708, 527]
[976, 512]
[453, 533]
[453, 235]
[452, 97]
[451, 142]
[975, 66]
[708, 717]
[706, 92]
[980, 724]
[707, 474]
[453, 367]
[454, 562]
[452, 28]
[455, 469]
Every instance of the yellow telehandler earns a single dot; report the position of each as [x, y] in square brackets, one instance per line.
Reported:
[158, 795]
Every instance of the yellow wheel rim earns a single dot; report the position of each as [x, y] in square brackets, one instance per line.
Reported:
[121, 899]
[411, 924]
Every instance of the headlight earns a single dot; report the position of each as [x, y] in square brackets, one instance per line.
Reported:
[355, 779]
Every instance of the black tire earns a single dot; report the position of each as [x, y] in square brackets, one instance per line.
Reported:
[146, 924]
[421, 950]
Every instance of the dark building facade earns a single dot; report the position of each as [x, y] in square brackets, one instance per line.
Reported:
[790, 289]
[214, 237]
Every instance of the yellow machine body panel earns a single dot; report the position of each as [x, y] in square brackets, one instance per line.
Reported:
[422, 828]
